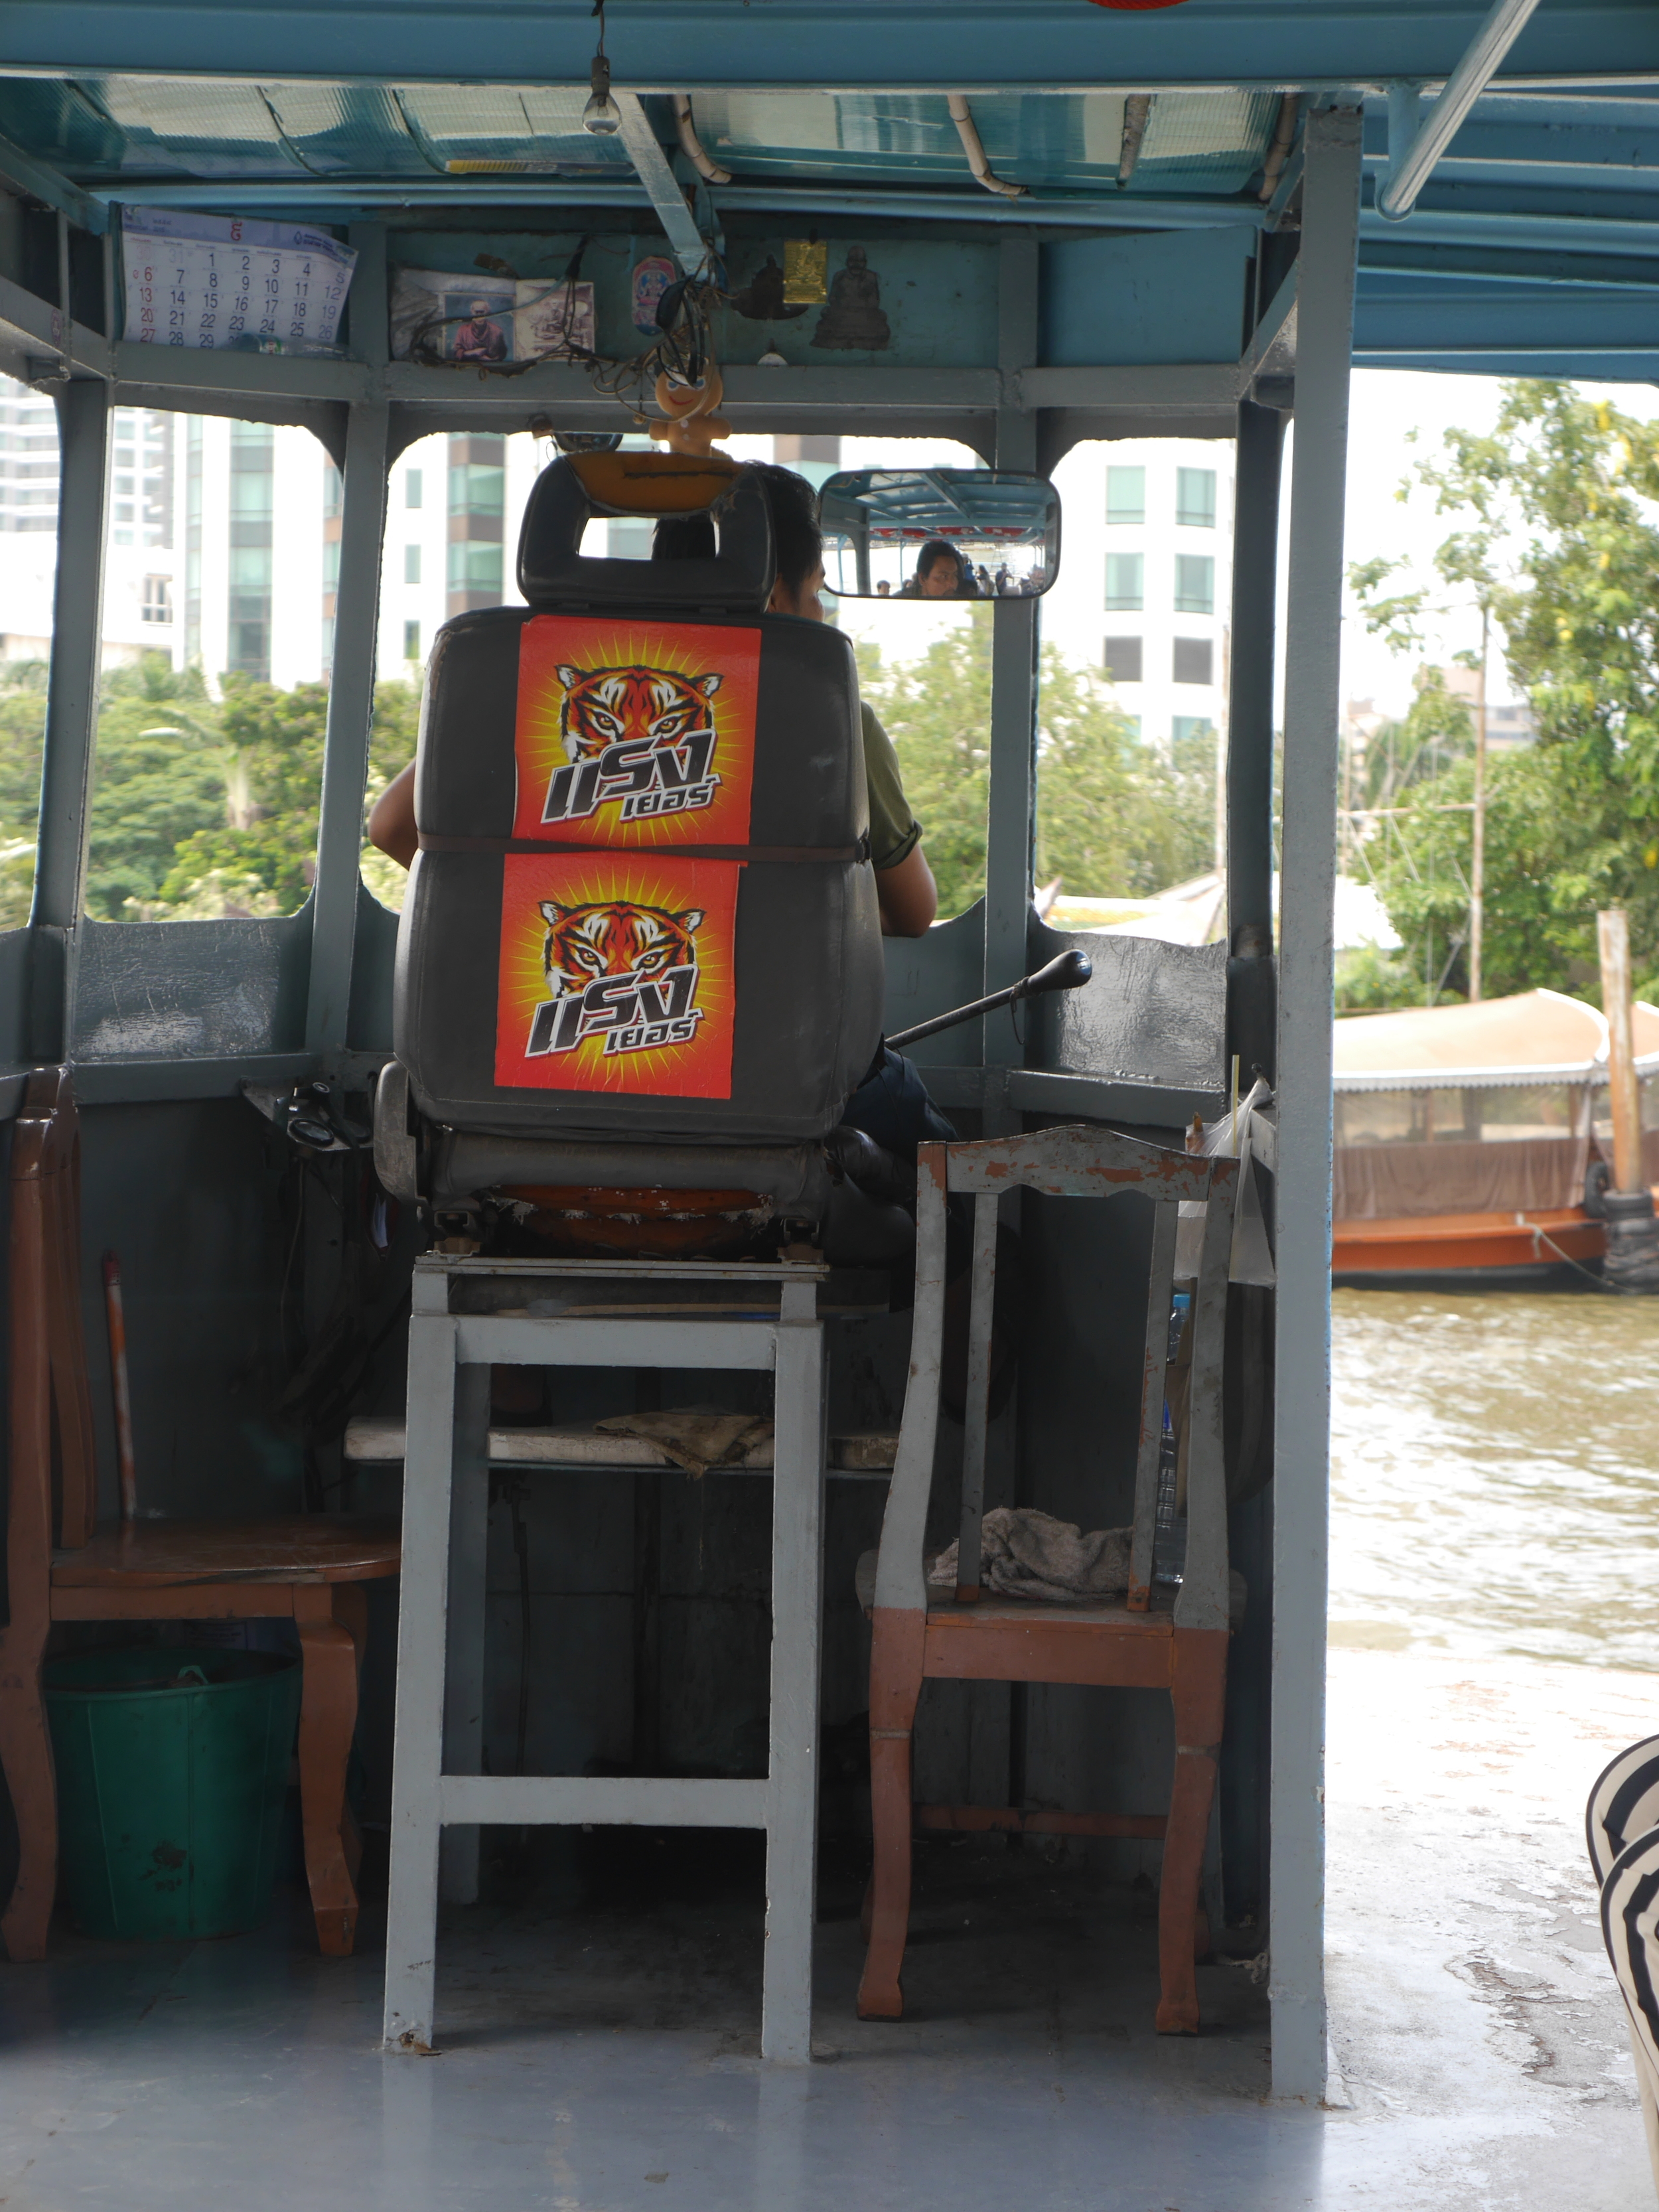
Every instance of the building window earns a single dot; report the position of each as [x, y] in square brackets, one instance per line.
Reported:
[192, 540]
[475, 566]
[412, 564]
[1195, 498]
[630, 541]
[477, 487]
[1194, 584]
[412, 488]
[157, 604]
[1125, 494]
[411, 641]
[1123, 660]
[1124, 581]
[333, 492]
[478, 505]
[253, 499]
[1186, 727]
[1194, 658]
[330, 564]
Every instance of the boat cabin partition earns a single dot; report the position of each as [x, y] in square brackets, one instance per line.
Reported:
[1202, 289]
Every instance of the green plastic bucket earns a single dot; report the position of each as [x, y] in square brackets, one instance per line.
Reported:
[173, 1764]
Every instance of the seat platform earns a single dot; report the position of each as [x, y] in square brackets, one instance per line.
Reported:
[305, 1548]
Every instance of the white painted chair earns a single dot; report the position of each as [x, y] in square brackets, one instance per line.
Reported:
[438, 1792]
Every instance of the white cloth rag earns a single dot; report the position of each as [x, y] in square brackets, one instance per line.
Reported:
[1025, 1553]
[697, 1437]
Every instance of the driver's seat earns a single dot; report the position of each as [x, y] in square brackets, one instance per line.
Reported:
[641, 951]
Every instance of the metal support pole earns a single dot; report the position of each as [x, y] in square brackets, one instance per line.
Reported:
[651, 165]
[1249, 771]
[350, 706]
[1301, 1506]
[1412, 163]
[1250, 693]
[1013, 678]
[83, 412]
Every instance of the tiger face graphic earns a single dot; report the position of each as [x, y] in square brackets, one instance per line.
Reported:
[653, 707]
[586, 943]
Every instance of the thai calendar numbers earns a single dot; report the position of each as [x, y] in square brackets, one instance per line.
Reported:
[216, 281]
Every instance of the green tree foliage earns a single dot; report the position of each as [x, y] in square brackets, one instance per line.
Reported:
[264, 843]
[23, 725]
[157, 781]
[200, 807]
[1115, 817]
[1438, 729]
[937, 710]
[1559, 543]
[1539, 930]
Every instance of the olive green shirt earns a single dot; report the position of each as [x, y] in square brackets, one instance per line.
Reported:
[895, 832]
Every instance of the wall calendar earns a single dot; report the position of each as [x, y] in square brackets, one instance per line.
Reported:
[209, 280]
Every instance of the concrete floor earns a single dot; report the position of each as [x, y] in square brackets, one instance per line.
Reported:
[599, 2052]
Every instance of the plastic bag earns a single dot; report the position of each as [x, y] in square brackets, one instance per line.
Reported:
[1252, 1260]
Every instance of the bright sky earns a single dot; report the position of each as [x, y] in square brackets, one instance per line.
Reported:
[1387, 407]
[1388, 404]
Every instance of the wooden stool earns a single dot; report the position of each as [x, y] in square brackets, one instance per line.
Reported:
[772, 1323]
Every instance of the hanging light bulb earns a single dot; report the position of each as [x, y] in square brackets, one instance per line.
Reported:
[601, 115]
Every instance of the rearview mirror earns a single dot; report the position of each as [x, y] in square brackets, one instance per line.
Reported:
[938, 534]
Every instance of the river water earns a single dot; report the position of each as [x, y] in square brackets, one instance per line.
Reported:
[1495, 1475]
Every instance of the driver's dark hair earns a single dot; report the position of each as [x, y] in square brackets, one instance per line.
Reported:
[796, 537]
[930, 553]
[797, 540]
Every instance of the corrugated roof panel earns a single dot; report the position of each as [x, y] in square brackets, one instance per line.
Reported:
[54, 120]
[1196, 142]
[204, 130]
[484, 123]
[904, 126]
[735, 122]
[1205, 141]
[347, 129]
[483, 113]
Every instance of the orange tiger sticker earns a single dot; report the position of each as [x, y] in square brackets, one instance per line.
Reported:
[618, 972]
[634, 733]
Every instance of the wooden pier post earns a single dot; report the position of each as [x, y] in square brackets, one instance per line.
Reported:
[1632, 1258]
[1612, 936]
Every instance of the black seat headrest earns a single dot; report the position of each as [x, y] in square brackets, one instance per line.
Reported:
[554, 574]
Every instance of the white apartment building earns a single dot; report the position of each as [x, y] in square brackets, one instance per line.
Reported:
[1145, 577]
[223, 544]
[224, 548]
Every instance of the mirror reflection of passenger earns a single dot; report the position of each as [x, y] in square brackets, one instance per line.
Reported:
[905, 891]
[884, 589]
[479, 338]
[941, 573]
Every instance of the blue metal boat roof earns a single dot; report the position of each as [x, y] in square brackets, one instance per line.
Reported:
[1534, 248]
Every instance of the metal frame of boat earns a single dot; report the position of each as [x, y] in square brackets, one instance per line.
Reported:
[1345, 207]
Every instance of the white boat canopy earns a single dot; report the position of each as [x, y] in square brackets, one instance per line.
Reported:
[1539, 1036]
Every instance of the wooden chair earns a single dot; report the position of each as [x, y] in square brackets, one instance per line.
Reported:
[1137, 1643]
[305, 1567]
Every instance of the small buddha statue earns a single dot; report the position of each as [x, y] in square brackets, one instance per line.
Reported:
[853, 321]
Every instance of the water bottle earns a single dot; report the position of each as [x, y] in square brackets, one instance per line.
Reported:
[1169, 1532]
